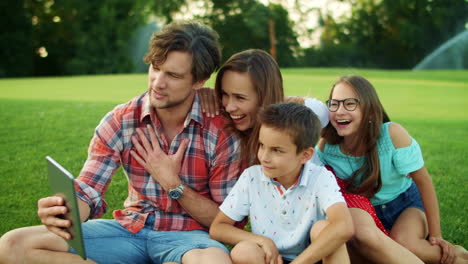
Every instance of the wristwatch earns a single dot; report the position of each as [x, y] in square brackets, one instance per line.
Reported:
[177, 192]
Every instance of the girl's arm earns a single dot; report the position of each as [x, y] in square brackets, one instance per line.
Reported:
[429, 198]
[338, 230]
[421, 177]
[223, 230]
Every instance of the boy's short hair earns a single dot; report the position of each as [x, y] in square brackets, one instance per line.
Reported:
[295, 119]
[198, 40]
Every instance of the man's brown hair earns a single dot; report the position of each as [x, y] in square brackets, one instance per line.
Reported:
[192, 37]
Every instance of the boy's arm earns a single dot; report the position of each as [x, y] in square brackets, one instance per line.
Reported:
[335, 234]
[223, 230]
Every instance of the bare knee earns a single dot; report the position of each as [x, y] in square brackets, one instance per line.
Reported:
[206, 255]
[317, 228]
[12, 246]
[16, 246]
[247, 252]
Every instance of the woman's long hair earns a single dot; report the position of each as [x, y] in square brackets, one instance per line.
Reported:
[373, 116]
[267, 81]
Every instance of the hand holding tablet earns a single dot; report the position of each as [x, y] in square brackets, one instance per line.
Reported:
[62, 184]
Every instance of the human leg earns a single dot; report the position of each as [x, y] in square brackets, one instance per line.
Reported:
[373, 244]
[410, 230]
[35, 244]
[340, 255]
[185, 247]
[206, 255]
[247, 252]
[106, 241]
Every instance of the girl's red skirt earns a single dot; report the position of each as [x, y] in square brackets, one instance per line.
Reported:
[358, 201]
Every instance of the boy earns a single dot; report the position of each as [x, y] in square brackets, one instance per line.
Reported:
[290, 201]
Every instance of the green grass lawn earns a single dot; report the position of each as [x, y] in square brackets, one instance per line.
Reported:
[57, 116]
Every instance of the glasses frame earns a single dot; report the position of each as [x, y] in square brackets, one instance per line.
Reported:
[328, 103]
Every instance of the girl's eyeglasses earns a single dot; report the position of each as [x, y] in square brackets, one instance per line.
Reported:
[349, 104]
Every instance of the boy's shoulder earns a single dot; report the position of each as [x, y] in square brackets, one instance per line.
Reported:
[314, 174]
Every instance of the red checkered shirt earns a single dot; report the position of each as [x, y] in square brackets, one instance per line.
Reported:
[211, 166]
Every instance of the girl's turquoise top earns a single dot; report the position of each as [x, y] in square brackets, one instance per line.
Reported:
[395, 164]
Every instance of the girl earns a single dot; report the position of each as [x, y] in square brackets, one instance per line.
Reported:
[379, 159]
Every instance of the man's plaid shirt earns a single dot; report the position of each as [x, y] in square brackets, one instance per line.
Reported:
[211, 165]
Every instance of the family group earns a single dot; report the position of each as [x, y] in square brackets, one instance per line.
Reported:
[243, 174]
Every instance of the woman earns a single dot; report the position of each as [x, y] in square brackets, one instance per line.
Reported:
[246, 82]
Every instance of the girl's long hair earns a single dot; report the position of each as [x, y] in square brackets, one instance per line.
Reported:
[373, 116]
[267, 81]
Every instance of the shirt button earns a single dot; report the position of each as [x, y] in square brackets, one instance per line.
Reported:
[284, 212]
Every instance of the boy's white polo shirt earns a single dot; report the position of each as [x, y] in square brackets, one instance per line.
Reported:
[285, 216]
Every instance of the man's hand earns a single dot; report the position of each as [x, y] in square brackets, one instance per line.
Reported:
[163, 168]
[51, 211]
[447, 249]
[272, 255]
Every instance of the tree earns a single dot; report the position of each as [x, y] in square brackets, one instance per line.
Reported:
[80, 37]
[245, 24]
[106, 27]
[15, 39]
[394, 33]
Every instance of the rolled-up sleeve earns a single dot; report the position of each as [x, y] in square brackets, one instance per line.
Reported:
[101, 164]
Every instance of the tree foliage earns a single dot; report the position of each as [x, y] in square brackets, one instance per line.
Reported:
[52, 37]
[70, 37]
[244, 24]
[390, 33]
[15, 39]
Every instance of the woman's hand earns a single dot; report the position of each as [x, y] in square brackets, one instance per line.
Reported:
[294, 99]
[208, 101]
[163, 168]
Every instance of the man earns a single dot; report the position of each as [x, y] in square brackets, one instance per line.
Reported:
[180, 165]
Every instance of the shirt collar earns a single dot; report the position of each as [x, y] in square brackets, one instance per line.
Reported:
[301, 181]
[194, 114]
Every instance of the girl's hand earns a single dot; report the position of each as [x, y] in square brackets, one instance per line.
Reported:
[208, 101]
[448, 252]
[272, 255]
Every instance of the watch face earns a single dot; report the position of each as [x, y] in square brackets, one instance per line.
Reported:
[175, 193]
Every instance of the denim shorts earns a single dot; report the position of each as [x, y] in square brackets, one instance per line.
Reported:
[388, 213]
[106, 241]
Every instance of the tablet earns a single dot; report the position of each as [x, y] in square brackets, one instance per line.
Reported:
[62, 184]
